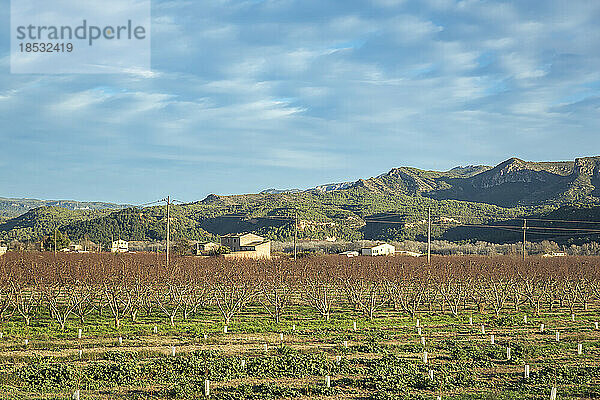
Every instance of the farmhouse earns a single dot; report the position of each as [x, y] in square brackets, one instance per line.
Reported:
[3, 250]
[119, 246]
[206, 248]
[246, 245]
[382, 249]
[551, 255]
[75, 247]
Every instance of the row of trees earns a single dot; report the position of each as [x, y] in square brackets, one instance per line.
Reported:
[73, 286]
[446, 248]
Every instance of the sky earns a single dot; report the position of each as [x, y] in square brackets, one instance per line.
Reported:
[246, 95]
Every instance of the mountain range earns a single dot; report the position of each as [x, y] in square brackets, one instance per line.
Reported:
[10, 208]
[389, 206]
[511, 183]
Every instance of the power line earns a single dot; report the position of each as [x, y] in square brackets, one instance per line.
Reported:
[513, 227]
[564, 220]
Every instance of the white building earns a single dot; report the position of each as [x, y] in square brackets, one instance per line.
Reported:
[206, 248]
[349, 254]
[3, 250]
[246, 245]
[75, 247]
[555, 255]
[119, 246]
[382, 249]
[408, 253]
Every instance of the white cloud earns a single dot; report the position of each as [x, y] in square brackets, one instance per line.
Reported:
[334, 88]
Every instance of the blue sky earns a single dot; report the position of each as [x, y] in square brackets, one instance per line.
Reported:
[249, 95]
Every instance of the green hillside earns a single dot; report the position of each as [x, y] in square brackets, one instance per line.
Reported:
[12, 208]
[41, 221]
[342, 214]
[392, 206]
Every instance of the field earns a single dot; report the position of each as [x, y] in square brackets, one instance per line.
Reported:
[379, 328]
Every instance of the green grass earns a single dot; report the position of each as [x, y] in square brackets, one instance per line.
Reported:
[383, 359]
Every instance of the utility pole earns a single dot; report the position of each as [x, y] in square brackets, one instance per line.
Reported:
[55, 242]
[524, 237]
[295, 234]
[168, 228]
[429, 236]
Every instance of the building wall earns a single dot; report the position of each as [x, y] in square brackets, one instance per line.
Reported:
[206, 248]
[235, 243]
[264, 250]
[259, 251]
[120, 246]
[381, 250]
[250, 238]
[209, 246]
[232, 242]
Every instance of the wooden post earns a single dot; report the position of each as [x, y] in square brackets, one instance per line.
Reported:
[425, 357]
[431, 375]
[120, 340]
[525, 319]
[541, 328]
[553, 394]
[76, 395]
[508, 353]
[492, 341]
[429, 236]
[79, 333]
[419, 331]
[524, 238]
[471, 321]
[527, 371]
[172, 351]
[557, 336]
[206, 387]
[328, 381]
[354, 326]
[225, 329]
[168, 228]
[345, 344]
[155, 330]
[579, 349]
[423, 340]
[80, 353]
[295, 235]
[482, 329]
